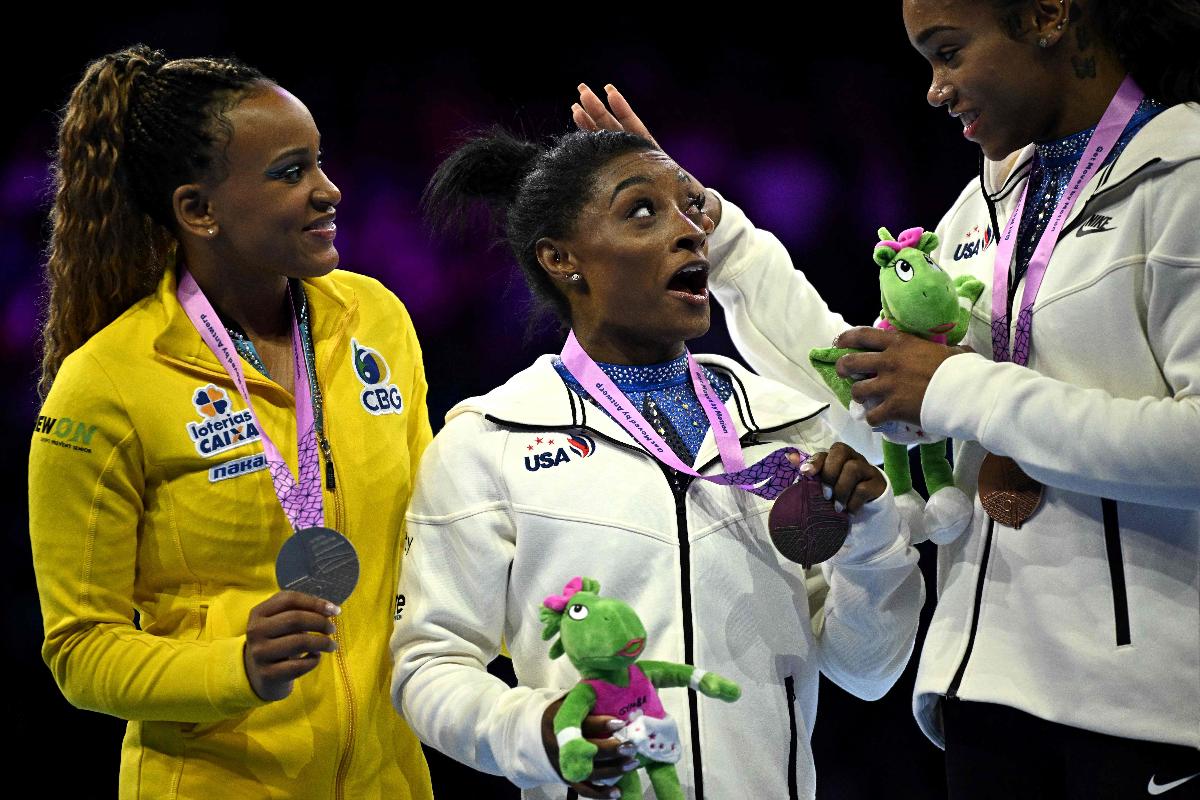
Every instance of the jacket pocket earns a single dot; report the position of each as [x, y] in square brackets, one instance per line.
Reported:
[1116, 570]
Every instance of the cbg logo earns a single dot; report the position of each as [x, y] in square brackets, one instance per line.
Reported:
[379, 396]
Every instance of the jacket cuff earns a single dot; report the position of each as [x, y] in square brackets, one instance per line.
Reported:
[523, 756]
[876, 532]
[734, 223]
[225, 680]
[957, 401]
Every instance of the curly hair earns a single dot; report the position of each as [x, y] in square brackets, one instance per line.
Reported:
[135, 128]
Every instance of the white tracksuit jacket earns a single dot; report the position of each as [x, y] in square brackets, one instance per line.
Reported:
[506, 511]
[1089, 615]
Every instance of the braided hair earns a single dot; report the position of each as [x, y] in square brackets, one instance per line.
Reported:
[136, 127]
[534, 192]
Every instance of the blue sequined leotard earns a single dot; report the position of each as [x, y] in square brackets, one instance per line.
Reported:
[1053, 164]
[664, 394]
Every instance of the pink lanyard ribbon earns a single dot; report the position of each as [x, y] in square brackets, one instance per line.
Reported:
[301, 500]
[776, 470]
[1118, 114]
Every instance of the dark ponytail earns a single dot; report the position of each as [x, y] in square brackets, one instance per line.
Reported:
[135, 127]
[1156, 40]
[533, 191]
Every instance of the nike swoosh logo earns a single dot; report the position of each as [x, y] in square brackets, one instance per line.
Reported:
[1086, 231]
[1160, 788]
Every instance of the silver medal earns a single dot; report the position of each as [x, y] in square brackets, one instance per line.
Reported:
[320, 562]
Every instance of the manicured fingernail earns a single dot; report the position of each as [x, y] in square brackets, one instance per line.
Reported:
[615, 724]
[807, 468]
[627, 749]
[583, 87]
[629, 766]
[827, 492]
[837, 506]
[331, 610]
[608, 87]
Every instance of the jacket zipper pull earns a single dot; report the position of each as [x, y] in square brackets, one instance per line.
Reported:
[330, 477]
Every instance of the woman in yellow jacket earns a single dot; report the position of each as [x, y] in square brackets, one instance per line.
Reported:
[154, 518]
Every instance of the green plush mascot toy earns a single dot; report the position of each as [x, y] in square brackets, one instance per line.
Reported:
[921, 299]
[603, 637]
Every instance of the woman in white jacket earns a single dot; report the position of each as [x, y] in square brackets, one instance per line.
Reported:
[533, 483]
[1064, 654]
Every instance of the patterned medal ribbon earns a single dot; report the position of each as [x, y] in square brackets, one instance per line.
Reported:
[766, 478]
[301, 499]
[804, 526]
[1009, 496]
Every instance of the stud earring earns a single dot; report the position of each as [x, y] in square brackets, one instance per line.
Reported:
[575, 277]
[212, 231]
[1044, 42]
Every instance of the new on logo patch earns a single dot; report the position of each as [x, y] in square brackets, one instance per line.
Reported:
[380, 396]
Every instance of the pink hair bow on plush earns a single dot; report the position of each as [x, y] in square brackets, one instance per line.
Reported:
[909, 238]
[557, 602]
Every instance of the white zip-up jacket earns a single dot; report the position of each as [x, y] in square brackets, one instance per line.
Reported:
[530, 485]
[1089, 614]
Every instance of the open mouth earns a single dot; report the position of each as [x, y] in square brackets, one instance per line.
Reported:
[690, 283]
[632, 647]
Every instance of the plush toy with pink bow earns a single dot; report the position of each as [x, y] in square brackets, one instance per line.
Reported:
[918, 298]
[603, 638]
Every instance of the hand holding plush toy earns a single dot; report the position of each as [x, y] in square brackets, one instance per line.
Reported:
[920, 299]
[603, 637]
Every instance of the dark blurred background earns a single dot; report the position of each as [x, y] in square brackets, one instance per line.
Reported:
[820, 132]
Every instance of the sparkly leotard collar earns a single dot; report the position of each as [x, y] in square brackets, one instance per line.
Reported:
[664, 394]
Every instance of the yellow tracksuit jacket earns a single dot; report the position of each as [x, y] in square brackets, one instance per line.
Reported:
[155, 528]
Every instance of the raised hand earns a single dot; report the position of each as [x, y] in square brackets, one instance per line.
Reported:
[591, 113]
[285, 636]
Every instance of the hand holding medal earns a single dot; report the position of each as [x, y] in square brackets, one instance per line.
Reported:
[806, 526]
[810, 520]
[317, 567]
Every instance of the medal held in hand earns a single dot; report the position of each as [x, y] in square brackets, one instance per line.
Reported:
[1008, 495]
[318, 561]
[315, 560]
[810, 529]
[805, 527]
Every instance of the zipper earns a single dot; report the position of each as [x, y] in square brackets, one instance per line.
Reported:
[952, 692]
[1116, 570]
[343, 669]
[679, 484]
[789, 685]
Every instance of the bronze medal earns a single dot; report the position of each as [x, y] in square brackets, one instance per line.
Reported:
[804, 526]
[1007, 494]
